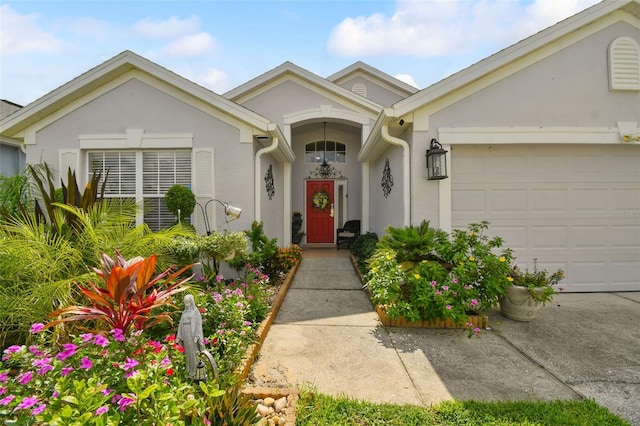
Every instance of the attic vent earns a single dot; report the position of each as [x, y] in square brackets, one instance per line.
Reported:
[624, 64]
[359, 89]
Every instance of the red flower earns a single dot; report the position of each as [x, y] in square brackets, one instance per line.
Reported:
[170, 372]
[170, 338]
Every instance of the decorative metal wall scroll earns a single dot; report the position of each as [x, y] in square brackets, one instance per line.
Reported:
[268, 178]
[387, 179]
[325, 171]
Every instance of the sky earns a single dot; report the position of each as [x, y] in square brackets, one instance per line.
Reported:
[221, 44]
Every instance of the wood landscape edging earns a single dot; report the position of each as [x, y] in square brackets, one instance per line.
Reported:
[480, 321]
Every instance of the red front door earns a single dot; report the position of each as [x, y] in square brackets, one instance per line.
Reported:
[320, 227]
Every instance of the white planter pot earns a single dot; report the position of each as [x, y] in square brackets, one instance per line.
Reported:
[517, 304]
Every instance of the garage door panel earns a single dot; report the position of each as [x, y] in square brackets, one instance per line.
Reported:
[554, 203]
[625, 236]
[550, 237]
[470, 201]
[545, 200]
[588, 199]
[587, 236]
[624, 199]
[508, 200]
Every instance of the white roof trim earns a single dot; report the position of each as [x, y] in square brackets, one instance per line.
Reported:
[528, 135]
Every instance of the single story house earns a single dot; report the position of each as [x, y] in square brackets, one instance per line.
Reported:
[541, 139]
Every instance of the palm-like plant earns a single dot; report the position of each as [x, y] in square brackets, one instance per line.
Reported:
[130, 294]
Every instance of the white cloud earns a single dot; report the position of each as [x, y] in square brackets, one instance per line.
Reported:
[23, 34]
[216, 80]
[447, 27]
[169, 28]
[406, 78]
[192, 45]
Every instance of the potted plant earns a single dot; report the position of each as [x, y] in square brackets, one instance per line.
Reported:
[296, 226]
[529, 290]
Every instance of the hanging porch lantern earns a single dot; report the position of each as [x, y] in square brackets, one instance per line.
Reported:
[436, 161]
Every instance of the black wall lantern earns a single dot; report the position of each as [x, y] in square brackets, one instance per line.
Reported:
[436, 161]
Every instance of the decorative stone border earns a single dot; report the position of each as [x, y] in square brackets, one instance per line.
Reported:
[480, 321]
[277, 393]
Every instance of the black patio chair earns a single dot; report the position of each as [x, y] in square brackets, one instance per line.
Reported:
[348, 233]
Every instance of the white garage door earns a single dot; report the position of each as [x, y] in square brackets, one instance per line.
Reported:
[571, 207]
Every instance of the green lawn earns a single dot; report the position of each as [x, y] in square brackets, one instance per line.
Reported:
[317, 410]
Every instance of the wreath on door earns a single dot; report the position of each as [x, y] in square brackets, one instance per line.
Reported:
[320, 200]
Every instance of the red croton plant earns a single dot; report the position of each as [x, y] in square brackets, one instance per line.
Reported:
[130, 293]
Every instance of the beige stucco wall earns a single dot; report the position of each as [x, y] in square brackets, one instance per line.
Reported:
[272, 214]
[387, 211]
[375, 92]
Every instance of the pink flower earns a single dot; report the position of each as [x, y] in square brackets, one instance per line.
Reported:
[433, 283]
[165, 361]
[65, 371]
[86, 337]
[13, 349]
[36, 328]
[3, 390]
[85, 363]
[130, 373]
[118, 335]
[129, 364]
[55, 394]
[34, 350]
[124, 402]
[101, 410]
[45, 369]
[4, 376]
[25, 377]
[219, 278]
[206, 421]
[106, 392]
[27, 402]
[448, 307]
[7, 400]
[445, 287]
[455, 281]
[100, 340]
[474, 302]
[39, 409]
[68, 350]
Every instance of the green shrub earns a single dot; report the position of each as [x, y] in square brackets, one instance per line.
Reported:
[180, 201]
[420, 274]
[362, 249]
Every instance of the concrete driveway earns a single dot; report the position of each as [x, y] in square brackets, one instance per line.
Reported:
[327, 334]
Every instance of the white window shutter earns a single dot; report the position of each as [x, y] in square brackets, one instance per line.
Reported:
[203, 186]
[624, 64]
[69, 158]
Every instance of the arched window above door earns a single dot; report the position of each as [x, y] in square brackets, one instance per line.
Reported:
[319, 151]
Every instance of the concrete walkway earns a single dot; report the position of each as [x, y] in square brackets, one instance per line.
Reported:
[328, 335]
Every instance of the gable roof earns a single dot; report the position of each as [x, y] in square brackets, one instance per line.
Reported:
[373, 145]
[289, 70]
[361, 69]
[516, 51]
[111, 69]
